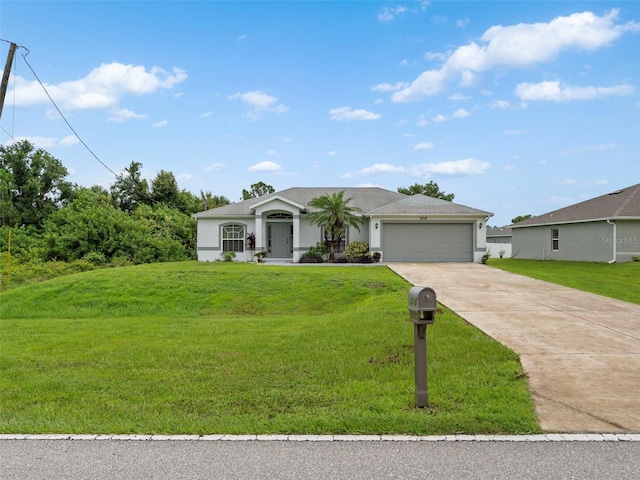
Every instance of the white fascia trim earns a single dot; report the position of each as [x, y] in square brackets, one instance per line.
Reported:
[277, 197]
[590, 220]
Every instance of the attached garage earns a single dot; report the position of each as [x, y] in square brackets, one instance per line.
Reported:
[427, 242]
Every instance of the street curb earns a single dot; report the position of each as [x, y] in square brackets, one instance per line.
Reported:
[551, 437]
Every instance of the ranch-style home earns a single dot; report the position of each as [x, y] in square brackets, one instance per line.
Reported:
[402, 228]
[603, 229]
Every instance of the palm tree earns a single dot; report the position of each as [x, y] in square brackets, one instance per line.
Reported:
[334, 215]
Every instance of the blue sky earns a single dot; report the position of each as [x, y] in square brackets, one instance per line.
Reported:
[516, 107]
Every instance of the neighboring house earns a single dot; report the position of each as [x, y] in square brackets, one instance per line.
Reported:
[403, 228]
[603, 229]
[498, 234]
[499, 242]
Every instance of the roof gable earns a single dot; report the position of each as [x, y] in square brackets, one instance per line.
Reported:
[624, 203]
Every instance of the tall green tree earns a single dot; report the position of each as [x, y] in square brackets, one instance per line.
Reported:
[430, 189]
[208, 201]
[334, 214]
[130, 189]
[164, 189]
[33, 184]
[257, 190]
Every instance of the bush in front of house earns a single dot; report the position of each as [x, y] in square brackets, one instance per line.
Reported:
[314, 254]
[358, 252]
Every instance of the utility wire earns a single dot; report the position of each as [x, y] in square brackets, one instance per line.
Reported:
[62, 115]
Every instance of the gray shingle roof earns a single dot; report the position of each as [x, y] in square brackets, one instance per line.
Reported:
[624, 203]
[372, 200]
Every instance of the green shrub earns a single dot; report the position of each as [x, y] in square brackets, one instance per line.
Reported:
[357, 251]
[228, 256]
[261, 255]
[314, 254]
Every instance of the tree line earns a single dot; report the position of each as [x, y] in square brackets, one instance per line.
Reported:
[134, 221]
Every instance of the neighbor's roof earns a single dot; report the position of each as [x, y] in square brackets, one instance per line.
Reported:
[372, 200]
[498, 231]
[621, 204]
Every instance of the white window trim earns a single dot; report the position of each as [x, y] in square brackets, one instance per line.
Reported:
[236, 235]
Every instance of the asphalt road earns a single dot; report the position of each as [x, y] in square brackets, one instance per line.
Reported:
[117, 459]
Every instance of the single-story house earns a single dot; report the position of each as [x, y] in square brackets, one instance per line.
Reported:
[402, 228]
[603, 229]
[499, 234]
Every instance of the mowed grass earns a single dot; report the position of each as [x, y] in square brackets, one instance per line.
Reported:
[204, 348]
[618, 280]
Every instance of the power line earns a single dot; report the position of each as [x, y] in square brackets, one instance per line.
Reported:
[24, 56]
[63, 117]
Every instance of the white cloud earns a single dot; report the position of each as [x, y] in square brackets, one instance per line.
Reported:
[347, 114]
[598, 183]
[123, 114]
[267, 166]
[38, 142]
[377, 168]
[517, 132]
[331, 153]
[462, 23]
[458, 97]
[501, 104]
[387, 13]
[187, 177]
[259, 103]
[441, 57]
[568, 181]
[461, 113]
[597, 148]
[439, 118]
[101, 88]
[387, 87]
[214, 167]
[69, 140]
[468, 166]
[555, 92]
[423, 146]
[160, 124]
[207, 114]
[518, 46]
[422, 122]
[242, 37]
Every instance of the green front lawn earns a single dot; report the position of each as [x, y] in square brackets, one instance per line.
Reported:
[242, 348]
[618, 280]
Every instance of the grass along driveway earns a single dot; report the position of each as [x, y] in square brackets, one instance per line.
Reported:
[240, 348]
[618, 280]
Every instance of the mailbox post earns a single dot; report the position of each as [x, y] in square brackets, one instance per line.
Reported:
[422, 310]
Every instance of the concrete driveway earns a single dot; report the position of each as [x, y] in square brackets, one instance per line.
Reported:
[580, 351]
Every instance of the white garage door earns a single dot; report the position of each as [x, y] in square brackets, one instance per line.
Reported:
[427, 242]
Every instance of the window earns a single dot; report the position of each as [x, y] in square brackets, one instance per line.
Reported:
[233, 238]
[555, 239]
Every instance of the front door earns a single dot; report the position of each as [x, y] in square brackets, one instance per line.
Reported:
[280, 240]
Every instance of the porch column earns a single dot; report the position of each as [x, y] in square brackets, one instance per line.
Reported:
[260, 240]
[296, 237]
